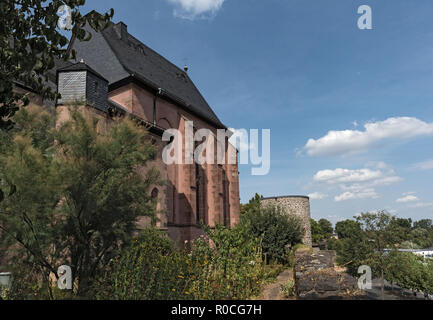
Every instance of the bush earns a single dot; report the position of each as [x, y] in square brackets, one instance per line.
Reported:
[277, 230]
[288, 288]
[334, 244]
[150, 269]
[409, 271]
[224, 264]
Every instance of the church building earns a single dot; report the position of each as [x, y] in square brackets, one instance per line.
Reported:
[116, 73]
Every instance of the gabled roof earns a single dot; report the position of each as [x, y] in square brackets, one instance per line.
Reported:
[80, 66]
[117, 56]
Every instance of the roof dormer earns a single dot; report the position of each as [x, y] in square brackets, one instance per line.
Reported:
[80, 84]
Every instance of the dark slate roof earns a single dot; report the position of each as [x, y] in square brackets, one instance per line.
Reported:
[117, 55]
[80, 66]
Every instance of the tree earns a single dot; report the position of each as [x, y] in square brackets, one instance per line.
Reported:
[426, 224]
[277, 229]
[252, 205]
[352, 250]
[406, 270]
[30, 41]
[379, 231]
[321, 230]
[346, 228]
[74, 195]
[423, 238]
[316, 231]
[401, 228]
[326, 227]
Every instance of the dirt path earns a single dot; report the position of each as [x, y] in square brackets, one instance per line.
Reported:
[273, 290]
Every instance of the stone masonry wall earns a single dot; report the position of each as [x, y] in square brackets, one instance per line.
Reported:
[317, 279]
[296, 205]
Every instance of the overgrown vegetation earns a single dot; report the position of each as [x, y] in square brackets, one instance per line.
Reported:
[73, 193]
[288, 288]
[223, 264]
[321, 230]
[373, 239]
[278, 230]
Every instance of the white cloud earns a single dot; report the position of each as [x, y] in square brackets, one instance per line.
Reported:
[362, 194]
[317, 196]
[413, 201]
[408, 198]
[354, 141]
[426, 165]
[357, 183]
[377, 165]
[346, 175]
[196, 9]
[421, 205]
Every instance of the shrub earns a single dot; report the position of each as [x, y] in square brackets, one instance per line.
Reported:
[224, 264]
[73, 194]
[288, 288]
[277, 230]
[150, 269]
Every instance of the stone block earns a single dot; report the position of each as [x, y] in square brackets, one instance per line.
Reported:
[305, 284]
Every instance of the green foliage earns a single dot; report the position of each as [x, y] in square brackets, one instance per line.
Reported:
[421, 237]
[346, 228]
[316, 231]
[231, 264]
[321, 230]
[409, 271]
[362, 242]
[288, 288]
[375, 232]
[326, 227]
[73, 194]
[29, 42]
[334, 244]
[252, 205]
[426, 224]
[352, 251]
[149, 269]
[277, 229]
[224, 264]
[401, 228]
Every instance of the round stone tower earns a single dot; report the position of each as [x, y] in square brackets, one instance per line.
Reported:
[296, 205]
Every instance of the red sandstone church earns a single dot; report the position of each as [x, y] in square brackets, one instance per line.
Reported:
[118, 73]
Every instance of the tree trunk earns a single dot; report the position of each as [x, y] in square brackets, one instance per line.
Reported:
[383, 285]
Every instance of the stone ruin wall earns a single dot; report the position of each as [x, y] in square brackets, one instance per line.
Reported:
[296, 205]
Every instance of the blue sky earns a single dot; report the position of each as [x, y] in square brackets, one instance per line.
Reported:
[302, 68]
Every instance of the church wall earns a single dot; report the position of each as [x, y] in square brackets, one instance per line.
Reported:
[180, 201]
[178, 196]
